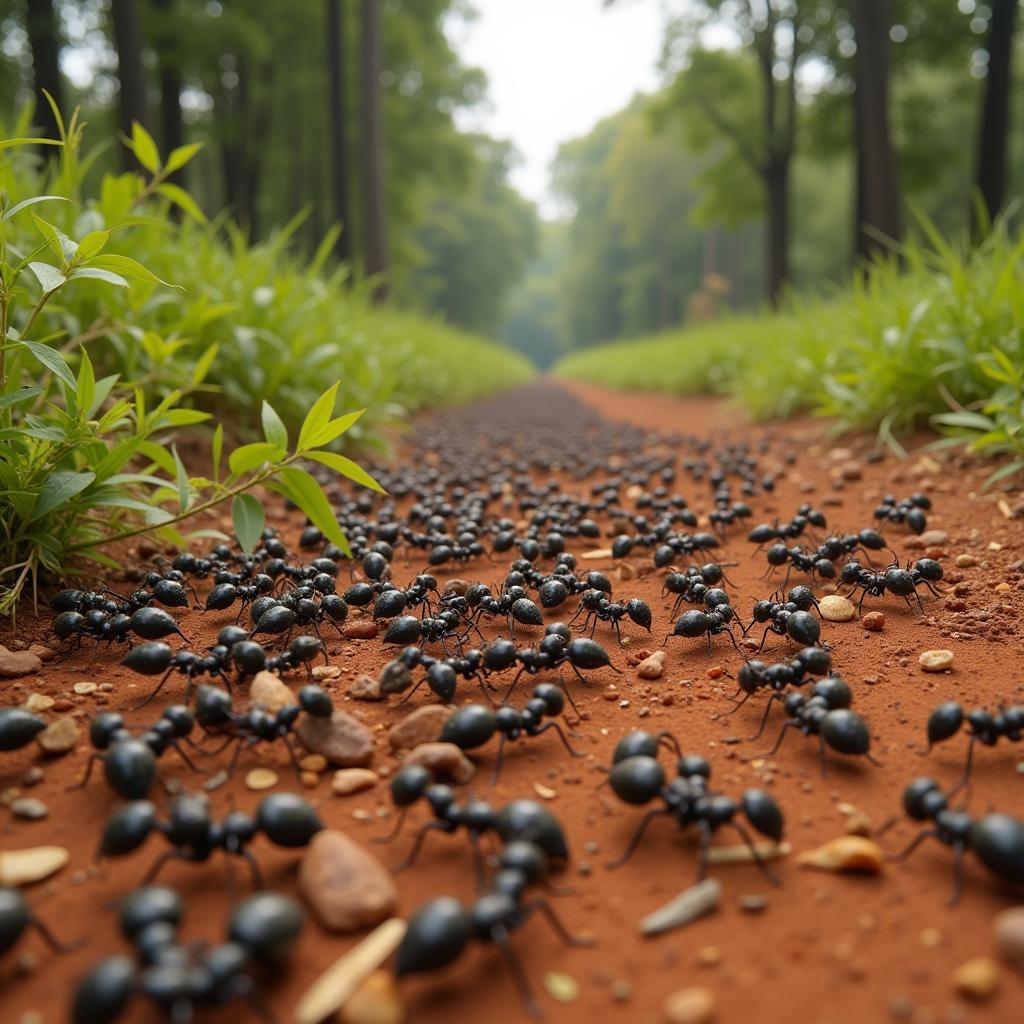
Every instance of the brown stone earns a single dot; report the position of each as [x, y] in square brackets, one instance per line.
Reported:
[424, 725]
[347, 887]
[267, 690]
[18, 663]
[342, 739]
[365, 687]
[59, 737]
[353, 780]
[360, 629]
[445, 760]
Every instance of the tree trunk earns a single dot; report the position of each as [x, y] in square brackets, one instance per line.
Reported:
[995, 113]
[172, 130]
[777, 234]
[128, 43]
[44, 41]
[375, 241]
[338, 107]
[878, 191]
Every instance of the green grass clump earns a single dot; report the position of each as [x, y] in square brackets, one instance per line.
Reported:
[935, 336]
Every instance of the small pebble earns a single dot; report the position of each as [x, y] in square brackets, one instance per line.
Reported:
[376, 1001]
[652, 667]
[965, 561]
[562, 987]
[261, 778]
[38, 702]
[835, 608]
[752, 903]
[690, 1006]
[59, 737]
[309, 779]
[977, 979]
[873, 621]
[621, 990]
[1009, 929]
[29, 808]
[688, 906]
[322, 672]
[848, 853]
[22, 867]
[936, 661]
[353, 780]
[84, 689]
[313, 763]
[360, 629]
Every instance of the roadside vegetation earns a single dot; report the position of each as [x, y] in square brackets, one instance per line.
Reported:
[935, 340]
[136, 331]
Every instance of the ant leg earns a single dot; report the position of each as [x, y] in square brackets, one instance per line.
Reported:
[958, 874]
[234, 757]
[764, 718]
[93, 758]
[181, 753]
[291, 753]
[498, 761]
[788, 724]
[541, 904]
[925, 833]
[157, 865]
[512, 685]
[414, 852]
[670, 741]
[159, 687]
[561, 736]
[637, 836]
[764, 637]
[52, 941]
[393, 834]
[568, 697]
[478, 860]
[414, 689]
[758, 859]
[499, 936]
[254, 869]
[224, 746]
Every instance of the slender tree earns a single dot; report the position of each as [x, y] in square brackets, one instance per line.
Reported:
[126, 19]
[878, 191]
[995, 113]
[338, 108]
[165, 42]
[375, 238]
[44, 42]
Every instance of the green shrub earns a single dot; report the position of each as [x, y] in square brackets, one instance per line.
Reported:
[934, 337]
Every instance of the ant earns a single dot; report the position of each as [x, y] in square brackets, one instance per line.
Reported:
[177, 977]
[16, 918]
[638, 778]
[600, 609]
[473, 725]
[996, 839]
[790, 618]
[984, 727]
[805, 517]
[129, 761]
[677, 544]
[18, 728]
[693, 586]
[286, 819]
[147, 622]
[908, 510]
[827, 715]
[214, 711]
[901, 582]
[713, 622]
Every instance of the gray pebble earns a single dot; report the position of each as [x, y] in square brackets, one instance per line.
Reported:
[29, 808]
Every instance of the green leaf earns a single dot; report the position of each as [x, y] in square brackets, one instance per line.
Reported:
[306, 493]
[274, 429]
[203, 363]
[248, 517]
[49, 278]
[19, 396]
[86, 384]
[11, 143]
[25, 203]
[183, 418]
[144, 148]
[334, 429]
[181, 156]
[964, 418]
[217, 449]
[58, 489]
[181, 478]
[127, 267]
[92, 245]
[347, 468]
[1004, 471]
[182, 199]
[317, 418]
[98, 274]
[249, 456]
[53, 361]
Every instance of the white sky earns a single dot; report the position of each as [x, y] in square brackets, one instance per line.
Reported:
[555, 67]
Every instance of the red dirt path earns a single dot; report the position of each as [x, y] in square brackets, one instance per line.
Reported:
[829, 949]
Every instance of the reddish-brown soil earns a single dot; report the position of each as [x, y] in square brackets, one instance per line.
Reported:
[828, 949]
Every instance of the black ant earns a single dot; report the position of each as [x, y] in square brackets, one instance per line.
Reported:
[996, 839]
[985, 727]
[710, 623]
[805, 517]
[637, 777]
[16, 918]
[790, 618]
[286, 819]
[473, 725]
[214, 711]
[826, 714]
[900, 582]
[18, 728]
[908, 510]
[129, 761]
[178, 977]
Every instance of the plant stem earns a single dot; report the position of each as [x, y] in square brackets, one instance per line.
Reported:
[194, 510]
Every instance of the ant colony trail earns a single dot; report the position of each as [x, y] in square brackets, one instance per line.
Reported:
[626, 708]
